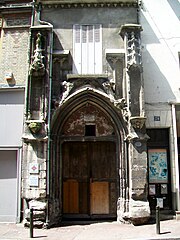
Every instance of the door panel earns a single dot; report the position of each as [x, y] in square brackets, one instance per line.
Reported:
[75, 163]
[83, 197]
[70, 196]
[99, 198]
[103, 160]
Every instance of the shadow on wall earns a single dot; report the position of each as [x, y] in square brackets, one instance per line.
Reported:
[56, 42]
[156, 86]
[175, 5]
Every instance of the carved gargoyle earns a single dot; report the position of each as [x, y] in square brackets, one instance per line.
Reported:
[137, 122]
[120, 103]
[35, 127]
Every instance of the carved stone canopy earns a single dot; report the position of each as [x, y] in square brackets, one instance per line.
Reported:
[115, 55]
[60, 55]
[129, 28]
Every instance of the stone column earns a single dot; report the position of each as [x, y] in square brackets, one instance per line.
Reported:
[139, 210]
[36, 124]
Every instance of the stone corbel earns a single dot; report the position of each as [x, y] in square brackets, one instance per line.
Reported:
[137, 122]
[131, 136]
[35, 130]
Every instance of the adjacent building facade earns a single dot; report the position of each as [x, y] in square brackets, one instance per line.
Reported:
[160, 52]
[100, 132]
[14, 38]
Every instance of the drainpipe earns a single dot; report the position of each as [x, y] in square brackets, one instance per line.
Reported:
[176, 155]
[49, 113]
[28, 83]
[49, 129]
[33, 11]
[49, 123]
[127, 175]
[138, 12]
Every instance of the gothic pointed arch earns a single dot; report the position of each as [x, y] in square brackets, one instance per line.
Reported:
[87, 106]
[96, 98]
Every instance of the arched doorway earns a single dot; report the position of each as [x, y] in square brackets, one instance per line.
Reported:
[89, 167]
[88, 156]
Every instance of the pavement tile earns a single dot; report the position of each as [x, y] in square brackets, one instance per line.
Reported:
[169, 229]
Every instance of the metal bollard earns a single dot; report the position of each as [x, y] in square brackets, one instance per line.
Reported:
[157, 220]
[31, 223]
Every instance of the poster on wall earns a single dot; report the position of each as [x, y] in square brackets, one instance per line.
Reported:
[152, 189]
[158, 172]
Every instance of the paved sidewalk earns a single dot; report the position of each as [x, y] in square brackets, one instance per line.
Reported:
[169, 229]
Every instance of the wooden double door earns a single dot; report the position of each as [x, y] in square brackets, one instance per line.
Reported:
[89, 179]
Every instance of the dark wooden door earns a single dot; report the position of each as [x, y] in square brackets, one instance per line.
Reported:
[89, 178]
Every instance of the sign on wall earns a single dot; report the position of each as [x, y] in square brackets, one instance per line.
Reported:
[158, 171]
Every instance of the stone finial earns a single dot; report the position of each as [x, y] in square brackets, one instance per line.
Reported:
[128, 28]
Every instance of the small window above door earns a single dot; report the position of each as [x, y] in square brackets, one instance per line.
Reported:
[90, 130]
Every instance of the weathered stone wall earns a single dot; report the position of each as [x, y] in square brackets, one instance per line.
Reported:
[34, 152]
[14, 53]
[111, 19]
[34, 179]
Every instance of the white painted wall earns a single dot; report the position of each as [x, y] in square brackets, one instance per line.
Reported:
[160, 20]
[11, 112]
[161, 43]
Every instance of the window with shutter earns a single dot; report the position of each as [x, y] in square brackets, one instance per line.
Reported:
[87, 49]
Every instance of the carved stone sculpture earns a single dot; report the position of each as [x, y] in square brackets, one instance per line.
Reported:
[67, 86]
[133, 49]
[109, 87]
[37, 66]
